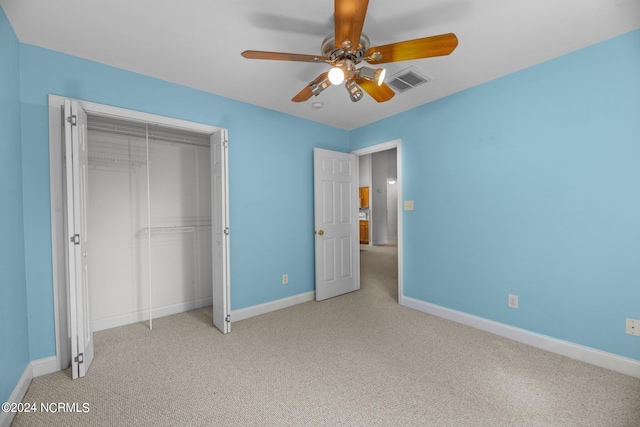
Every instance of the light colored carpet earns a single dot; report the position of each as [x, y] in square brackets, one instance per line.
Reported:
[358, 359]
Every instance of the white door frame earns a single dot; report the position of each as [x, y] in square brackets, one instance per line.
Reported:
[56, 167]
[397, 144]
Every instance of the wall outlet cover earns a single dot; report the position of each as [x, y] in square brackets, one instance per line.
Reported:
[513, 301]
[633, 327]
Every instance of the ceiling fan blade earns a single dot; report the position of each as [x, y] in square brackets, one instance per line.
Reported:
[426, 47]
[380, 93]
[303, 95]
[282, 56]
[349, 20]
[321, 83]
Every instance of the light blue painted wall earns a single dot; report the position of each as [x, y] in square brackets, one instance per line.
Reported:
[530, 185]
[14, 341]
[270, 168]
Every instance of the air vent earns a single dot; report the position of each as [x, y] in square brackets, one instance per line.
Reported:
[408, 79]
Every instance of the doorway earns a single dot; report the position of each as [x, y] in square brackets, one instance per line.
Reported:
[216, 189]
[382, 235]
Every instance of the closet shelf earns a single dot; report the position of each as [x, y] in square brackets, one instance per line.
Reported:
[153, 133]
[104, 160]
[176, 228]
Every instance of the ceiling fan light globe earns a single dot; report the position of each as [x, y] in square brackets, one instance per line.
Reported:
[336, 76]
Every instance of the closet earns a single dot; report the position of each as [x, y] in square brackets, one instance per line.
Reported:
[139, 221]
[149, 221]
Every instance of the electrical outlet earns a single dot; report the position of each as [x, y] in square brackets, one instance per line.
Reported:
[633, 327]
[513, 301]
[285, 279]
[408, 205]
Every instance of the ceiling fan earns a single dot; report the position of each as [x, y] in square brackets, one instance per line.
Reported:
[349, 46]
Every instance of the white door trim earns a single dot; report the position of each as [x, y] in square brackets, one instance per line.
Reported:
[56, 167]
[389, 145]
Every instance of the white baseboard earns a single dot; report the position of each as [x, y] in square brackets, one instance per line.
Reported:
[593, 356]
[142, 315]
[267, 307]
[47, 365]
[18, 394]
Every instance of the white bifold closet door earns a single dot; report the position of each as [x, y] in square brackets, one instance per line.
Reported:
[76, 160]
[220, 231]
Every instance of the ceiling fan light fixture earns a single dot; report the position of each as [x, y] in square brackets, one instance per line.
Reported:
[380, 73]
[336, 76]
[318, 86]
[373, 75]
[354, 90]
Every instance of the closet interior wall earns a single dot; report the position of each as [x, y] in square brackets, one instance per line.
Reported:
[149, 230]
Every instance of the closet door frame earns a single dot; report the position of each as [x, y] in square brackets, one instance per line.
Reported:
[58, 240]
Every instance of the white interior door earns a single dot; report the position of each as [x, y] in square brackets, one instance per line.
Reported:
[76, 156]
[336, 226]
[220, 231]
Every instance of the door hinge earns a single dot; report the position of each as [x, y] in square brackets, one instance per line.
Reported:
[73, 120]
[79, 358]
[228, 318]
[75, 239]
[226, 144]
[226, 231]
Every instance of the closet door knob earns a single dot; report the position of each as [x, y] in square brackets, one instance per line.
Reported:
[321, 232]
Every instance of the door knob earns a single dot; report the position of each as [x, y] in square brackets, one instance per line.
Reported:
[320, 232]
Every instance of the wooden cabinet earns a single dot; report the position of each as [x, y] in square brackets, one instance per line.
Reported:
[364, 197]
[364, 232]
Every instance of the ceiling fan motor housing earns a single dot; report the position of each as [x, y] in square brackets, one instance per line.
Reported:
[356, 54]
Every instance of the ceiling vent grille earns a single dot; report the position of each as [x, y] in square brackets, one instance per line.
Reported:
[408, 78]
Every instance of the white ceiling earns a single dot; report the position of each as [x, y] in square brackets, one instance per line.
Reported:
[197, 43]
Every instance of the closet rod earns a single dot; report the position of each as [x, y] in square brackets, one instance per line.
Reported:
[116, 160]
[176, 228]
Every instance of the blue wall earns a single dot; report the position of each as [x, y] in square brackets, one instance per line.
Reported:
[270, 164]
[529, 185]
[14, 341]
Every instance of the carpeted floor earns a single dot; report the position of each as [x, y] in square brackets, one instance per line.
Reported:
[356, 360]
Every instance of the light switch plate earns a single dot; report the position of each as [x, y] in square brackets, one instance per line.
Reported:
[408, 205]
